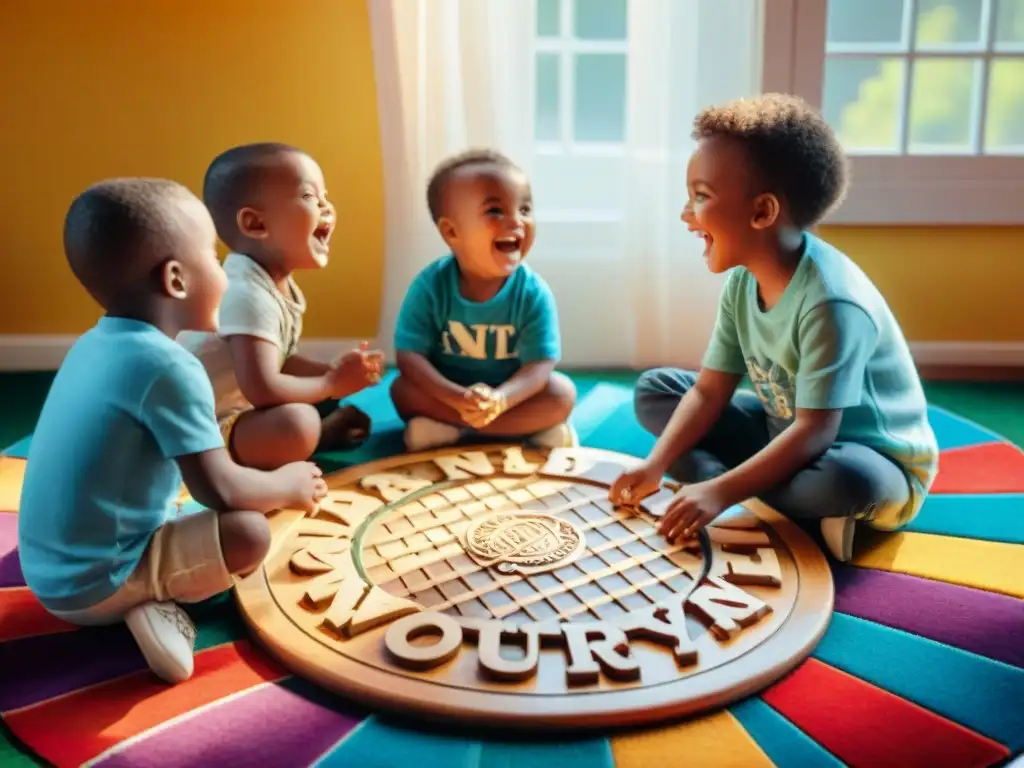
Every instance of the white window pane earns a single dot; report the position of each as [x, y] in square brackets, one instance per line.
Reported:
[599, 108]
[599, 19]
[1010, 21]
[863, 100]
[1004, 121]
[941, 22]
[865, 21]
[941, 101]
[547, 123]
[549, 13]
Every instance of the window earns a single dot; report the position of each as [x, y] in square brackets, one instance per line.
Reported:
[927, 97]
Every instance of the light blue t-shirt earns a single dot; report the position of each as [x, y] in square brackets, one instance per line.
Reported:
[831, 342]
[101, 475]
[470, 342]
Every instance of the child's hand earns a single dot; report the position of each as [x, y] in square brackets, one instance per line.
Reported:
[305, 483]
[636, 484]
[355, 371]
[693, 507]
[481, 405]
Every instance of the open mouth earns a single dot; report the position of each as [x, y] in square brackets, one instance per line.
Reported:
[322, 234]
[509, 245]
[708, 240]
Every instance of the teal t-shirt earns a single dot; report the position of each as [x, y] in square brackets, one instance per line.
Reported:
[102, 475]
[473, 342]
[831, 342]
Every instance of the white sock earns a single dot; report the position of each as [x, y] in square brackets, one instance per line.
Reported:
[838, 534]
[166, 637]
[558, 436]
[422, 433]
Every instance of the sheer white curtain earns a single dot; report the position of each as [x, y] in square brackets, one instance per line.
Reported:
[451, 75]
[631, 283]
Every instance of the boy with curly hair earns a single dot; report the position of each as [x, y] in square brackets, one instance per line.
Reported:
[838, 428]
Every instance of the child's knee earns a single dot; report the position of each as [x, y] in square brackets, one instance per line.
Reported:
[244, 540]
[302, 432]
[864, 490]
[562, 392]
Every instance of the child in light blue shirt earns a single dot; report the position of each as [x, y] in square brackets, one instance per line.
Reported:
[837, 428]
[477, 337]
[129, 416]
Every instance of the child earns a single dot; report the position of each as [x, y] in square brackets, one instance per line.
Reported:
[477, 336]
[270, 206]
[838, 429]
[129, 415]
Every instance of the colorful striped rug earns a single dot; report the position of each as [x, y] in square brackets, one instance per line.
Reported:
[922, 665]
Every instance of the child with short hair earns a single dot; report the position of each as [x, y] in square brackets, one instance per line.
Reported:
[269, 204]
[838, 428]
[477, 337]
[129, 416]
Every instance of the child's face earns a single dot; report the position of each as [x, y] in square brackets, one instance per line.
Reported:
[723, 207]
[488, 221]
[294, 222]
[203, 275]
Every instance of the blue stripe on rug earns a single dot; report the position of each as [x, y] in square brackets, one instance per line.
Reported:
[784, 743]
[979, 693]
[953, 431]
[621, 432]
[973, 516]
[18, 450]
[593, 408]
[377, 744]
[568, 753]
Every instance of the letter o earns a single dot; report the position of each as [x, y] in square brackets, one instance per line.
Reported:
[401, 633]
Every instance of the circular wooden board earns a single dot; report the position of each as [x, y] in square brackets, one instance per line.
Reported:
[497, 584]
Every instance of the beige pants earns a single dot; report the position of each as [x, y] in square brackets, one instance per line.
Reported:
[183, 563]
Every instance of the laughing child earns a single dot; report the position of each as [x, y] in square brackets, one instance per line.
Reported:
[269, 204]
[477, 337]
[838, 430]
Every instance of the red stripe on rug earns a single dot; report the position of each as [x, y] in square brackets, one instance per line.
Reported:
[863, 725]
[72, 729]
[21, 615]
[986, 468]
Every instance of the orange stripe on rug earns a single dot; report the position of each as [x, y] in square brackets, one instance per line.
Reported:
[717, 739]
[989, 565]
[72, 729]
[12, 472]
[21, 615]
[863, 725]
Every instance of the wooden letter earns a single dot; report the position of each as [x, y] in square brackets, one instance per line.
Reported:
[320, 555]
[348, 507]
[392, 485]
[350, 592]
[399, 637]
[379, 607]
[567, 462]
[515, 463]
[727, 607]
[490, 634]
[462, 466]
[757, 568]
[594, 646]
[665, 625]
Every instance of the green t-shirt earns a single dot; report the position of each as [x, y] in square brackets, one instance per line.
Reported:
[831, 342]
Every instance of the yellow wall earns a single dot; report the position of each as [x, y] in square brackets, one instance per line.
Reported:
[944, 284]
[122, 87]
[117, 87]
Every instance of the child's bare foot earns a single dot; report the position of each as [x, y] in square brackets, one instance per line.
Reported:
[345, 429]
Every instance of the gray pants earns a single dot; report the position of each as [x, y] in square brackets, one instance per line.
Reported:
[848, 480]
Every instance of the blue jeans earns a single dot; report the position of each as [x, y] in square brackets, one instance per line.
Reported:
[849, 480]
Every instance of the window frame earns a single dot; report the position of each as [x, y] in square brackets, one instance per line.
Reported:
[889, 189]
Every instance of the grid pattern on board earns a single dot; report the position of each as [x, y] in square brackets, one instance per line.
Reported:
[418, 553]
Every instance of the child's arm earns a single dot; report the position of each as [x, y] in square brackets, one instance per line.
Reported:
[218, 483]
[539, 345]
[303, 367]
[420, 372]
[835, 342]
[263, 380]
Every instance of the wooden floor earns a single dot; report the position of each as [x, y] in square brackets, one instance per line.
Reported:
[971, 373]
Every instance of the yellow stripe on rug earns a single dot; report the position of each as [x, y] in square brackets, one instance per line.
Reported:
[989, 565]
[715, 740]
[12, 472]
